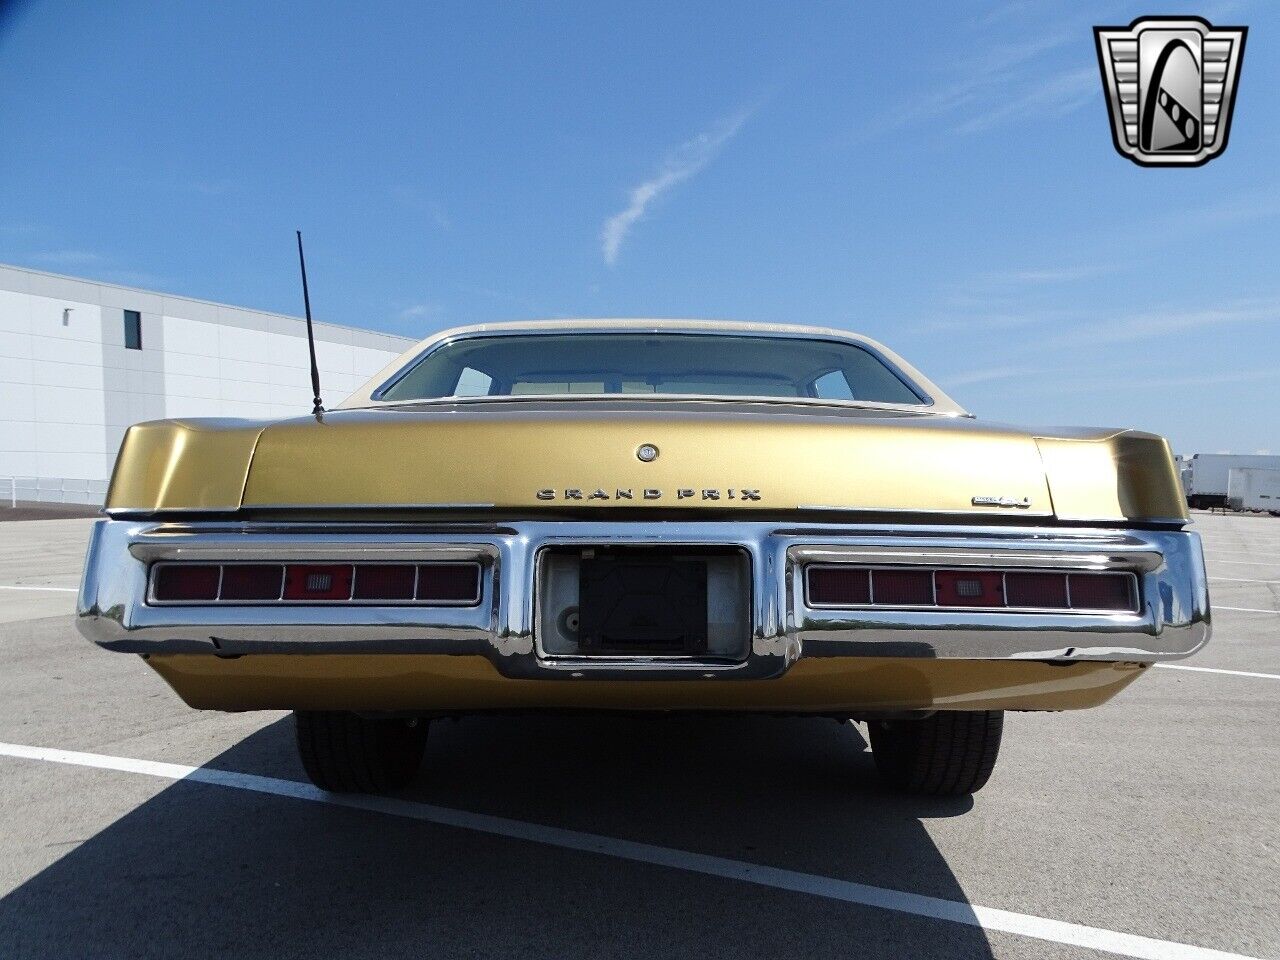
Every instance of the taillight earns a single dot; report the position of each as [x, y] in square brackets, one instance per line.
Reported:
[443, 583]
[839, 586]
[1101, 591]
[252, 581]
[449, 582]
[969, 588]
[847, 585]
[316, 582]
[385, 582]
[907, 588]
[185, 582]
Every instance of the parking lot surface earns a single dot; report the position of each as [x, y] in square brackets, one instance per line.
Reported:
[132, 826]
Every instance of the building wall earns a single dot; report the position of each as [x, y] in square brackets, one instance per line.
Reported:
[69, 387]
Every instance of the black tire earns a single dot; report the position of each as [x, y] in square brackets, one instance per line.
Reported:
[347, 753]
[949, 754]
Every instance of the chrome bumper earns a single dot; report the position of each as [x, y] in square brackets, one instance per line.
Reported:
[1173, 621]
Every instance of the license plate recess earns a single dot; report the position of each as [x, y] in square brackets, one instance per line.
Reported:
[667, 603]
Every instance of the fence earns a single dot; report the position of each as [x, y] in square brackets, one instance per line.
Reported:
[52, 490]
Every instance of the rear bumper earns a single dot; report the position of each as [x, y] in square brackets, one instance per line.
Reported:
[1173, 620]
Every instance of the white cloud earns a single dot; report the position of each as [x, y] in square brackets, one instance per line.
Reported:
[1055, 96]
[420, 311]
[681, 164]
[989, 374]
[996, 75]
[1165, 323]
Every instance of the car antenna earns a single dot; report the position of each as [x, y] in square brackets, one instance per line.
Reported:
[311, 336]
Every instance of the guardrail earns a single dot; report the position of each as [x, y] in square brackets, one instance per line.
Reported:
[52, 490]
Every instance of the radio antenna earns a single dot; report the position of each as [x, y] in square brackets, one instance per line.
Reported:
[318, 407]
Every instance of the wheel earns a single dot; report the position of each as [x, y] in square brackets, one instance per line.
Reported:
[948, 754]
[347, 753]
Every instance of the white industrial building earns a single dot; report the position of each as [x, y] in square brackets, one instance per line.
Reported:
[81, 360]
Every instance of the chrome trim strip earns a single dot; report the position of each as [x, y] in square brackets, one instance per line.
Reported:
[1032, 557]
[1174, 620]
[827, 508]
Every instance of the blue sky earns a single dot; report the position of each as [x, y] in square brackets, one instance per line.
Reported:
[944, 182]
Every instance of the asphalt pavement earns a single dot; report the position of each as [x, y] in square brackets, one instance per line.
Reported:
[132, 826]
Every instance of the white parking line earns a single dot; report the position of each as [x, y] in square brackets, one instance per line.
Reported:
[1240, 580]
[1041, 928]
[18, 586]
[1247, 563]
[1234, 673]
[1247, 609]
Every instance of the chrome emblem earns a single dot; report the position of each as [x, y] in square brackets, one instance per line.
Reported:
[648, 493]
[1023, 503]
[647, 452]
[1171, 86]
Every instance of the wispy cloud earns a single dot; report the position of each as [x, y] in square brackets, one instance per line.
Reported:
[1121, 379]
[420, 312]
[1055, 96]
[1158, 323]
[973, 84]
[413, 199]
[681, 164]
[987, 375]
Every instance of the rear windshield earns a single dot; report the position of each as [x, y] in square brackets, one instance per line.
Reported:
[650, 363]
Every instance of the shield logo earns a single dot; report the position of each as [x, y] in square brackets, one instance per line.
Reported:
[1171, 86]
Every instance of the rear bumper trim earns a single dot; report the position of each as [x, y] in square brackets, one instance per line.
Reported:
[1173, 622]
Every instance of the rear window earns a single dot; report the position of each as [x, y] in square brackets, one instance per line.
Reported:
[666, 364]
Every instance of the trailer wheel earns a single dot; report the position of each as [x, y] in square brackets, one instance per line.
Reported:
[948, 754]
[347, 753]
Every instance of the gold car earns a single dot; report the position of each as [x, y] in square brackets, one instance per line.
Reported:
[645, 516]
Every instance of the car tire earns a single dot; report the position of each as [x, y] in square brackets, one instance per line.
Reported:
[347, 753]
[948, 754]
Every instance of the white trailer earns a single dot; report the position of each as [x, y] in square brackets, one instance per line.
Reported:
[1249, 488]
[1205, 479]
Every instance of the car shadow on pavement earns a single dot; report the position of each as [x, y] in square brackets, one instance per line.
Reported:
[203, 870]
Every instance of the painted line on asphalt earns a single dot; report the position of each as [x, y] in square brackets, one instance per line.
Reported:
[1234, 673]
[18, 586]
[935, 908]
[1241, 580]
[1247, 563]
[1247, 609]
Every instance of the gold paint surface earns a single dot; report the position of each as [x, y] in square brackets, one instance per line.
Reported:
[1127, 475]
[183, 464]
[469, 683]
[401, 456]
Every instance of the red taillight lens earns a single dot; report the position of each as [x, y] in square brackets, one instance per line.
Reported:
[1102, 591]
[851, 586]
[969, 588]
[449, 582]
[839, 586]
[384, 582]
[443, 583]
[185, 581]
[317, 581]
[902, 587]
[252, 581]
[1044, 590]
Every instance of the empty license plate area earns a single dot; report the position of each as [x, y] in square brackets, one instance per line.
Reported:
[690, 603]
